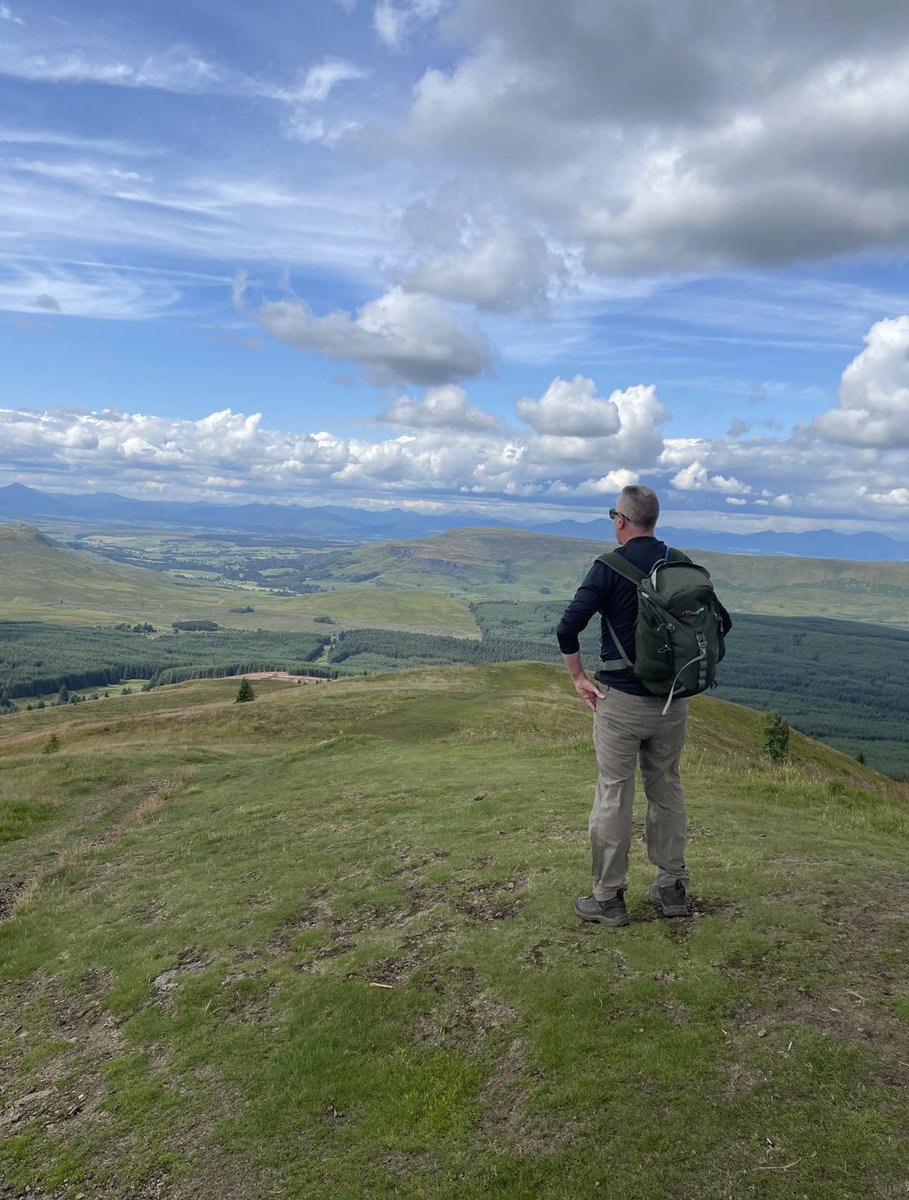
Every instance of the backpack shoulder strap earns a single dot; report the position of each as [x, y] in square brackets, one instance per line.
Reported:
[673, 555]
[622, 567]
[628, 571]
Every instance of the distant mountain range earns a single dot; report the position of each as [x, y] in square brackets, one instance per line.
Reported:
[18, 502]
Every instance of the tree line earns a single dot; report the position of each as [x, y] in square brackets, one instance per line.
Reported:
[38, 658]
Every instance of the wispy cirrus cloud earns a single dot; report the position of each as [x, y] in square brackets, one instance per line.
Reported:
[178, 69]
[395, 20]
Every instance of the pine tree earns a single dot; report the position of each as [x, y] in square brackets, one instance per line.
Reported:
[246, 692]
[776, 736]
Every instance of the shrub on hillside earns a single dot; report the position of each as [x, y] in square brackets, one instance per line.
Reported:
[776, 736]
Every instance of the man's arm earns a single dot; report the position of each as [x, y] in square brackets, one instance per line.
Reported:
[585, 687]
[588, 599]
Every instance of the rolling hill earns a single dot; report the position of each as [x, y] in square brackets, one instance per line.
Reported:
[41, 580]
[322, 944]
[422, 584]
[507, 564]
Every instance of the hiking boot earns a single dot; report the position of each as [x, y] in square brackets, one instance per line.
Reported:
[670, 900]
[606, 912]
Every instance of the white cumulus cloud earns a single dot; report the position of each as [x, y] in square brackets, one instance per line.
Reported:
[443, 407]
[399, 337]
[571, 409]
[874, 392]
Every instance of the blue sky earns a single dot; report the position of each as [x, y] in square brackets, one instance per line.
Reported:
[463, 254]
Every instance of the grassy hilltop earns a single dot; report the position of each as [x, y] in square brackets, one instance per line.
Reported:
[322, 945]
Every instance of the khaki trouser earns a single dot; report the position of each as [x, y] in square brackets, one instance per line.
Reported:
[625, 727]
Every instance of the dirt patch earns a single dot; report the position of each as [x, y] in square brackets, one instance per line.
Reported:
[856, 1019]
[412, 862]
[63, 1094]
[880, 926]
[390, 972]
[742, 1080]
[508, 1121]
[150, 914]
[320, 954]
[406, 1166]
[168, 980]
[9, 892]
[837, 1012]
[714, 906]
[586, 941]
[464, 1015]
[491, 901]
[283, 675]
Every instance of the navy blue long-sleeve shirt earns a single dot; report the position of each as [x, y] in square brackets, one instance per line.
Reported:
[605, 592]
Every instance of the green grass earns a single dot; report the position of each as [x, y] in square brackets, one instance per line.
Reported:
[267, 864]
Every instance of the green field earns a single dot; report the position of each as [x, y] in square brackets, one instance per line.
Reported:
[322, 945]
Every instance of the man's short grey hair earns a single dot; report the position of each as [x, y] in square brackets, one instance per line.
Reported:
[640, 505]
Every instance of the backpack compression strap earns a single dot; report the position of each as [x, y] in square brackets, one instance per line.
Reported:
[634, 575]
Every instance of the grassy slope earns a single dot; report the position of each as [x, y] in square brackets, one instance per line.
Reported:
[45, 582]
[427, 832]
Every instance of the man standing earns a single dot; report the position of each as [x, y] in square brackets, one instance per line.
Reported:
[629, 722]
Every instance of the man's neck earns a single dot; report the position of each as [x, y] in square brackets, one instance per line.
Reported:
[628, 535]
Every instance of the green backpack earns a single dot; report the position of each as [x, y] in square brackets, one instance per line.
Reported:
[678, 636]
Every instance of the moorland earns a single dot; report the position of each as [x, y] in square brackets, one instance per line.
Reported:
[322, 944]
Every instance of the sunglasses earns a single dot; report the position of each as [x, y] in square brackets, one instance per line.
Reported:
[614, 512]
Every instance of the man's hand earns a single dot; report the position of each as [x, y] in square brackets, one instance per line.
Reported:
[588, 691]
[585, 688]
